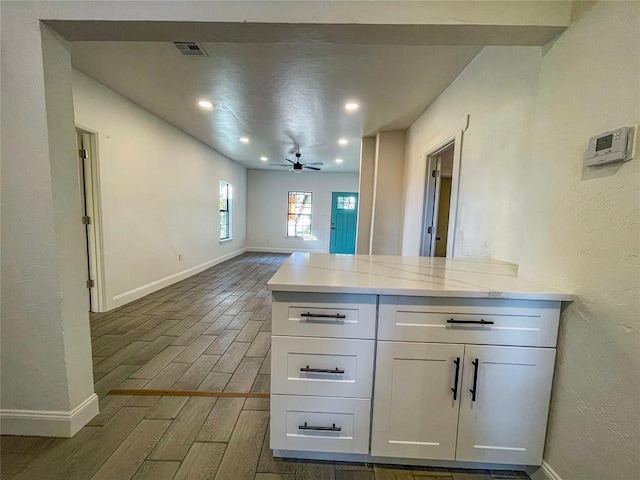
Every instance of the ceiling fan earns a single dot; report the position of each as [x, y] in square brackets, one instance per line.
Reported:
[296, 166]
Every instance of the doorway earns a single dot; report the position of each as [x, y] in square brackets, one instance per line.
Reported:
[89, 199]
[437, 202]
[344, 222]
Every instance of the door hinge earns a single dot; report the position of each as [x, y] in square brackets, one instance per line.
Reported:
[429, 230]
[435, 173]
[83, 153]
[90, 284]
[86, 220]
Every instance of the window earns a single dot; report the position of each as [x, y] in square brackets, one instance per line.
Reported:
[299, 214]
[346, 203]
[225, 211]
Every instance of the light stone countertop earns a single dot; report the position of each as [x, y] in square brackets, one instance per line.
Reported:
[411, 276]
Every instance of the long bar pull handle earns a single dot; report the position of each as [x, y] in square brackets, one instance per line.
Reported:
[322, 315]
[474, 390]
[455, 380]
[471, 322]
[322, 429]
[321, 370]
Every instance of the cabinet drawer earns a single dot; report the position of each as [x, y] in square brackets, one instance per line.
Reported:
[472, 321]
[321, 366]
[320, 424]
[324, 315]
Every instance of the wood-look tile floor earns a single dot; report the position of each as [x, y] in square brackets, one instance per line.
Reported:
[210, 332]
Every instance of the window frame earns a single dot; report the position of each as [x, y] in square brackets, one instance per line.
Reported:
[309, 215]
[222, 184]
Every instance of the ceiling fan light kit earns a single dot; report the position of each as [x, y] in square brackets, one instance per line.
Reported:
[297, 167]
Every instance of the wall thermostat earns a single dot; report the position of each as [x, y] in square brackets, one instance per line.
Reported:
[613, 146]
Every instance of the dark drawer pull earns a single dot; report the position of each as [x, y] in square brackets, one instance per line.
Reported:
[321, 370]
[322, 315]
[322, 429]
[455, 380]
[474, 390]
[471, 322]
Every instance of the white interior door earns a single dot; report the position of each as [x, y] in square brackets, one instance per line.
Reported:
[415, 414]
[88, 194]
[431, 203]
[504, 404]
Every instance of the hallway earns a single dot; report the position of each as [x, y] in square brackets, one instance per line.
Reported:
[210, 332]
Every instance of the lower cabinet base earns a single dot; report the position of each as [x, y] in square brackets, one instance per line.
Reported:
[366, 458]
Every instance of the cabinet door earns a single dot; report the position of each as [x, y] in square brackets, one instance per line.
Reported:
[415, 414]
[505, 421]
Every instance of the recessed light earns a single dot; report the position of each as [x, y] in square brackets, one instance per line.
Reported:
[351, 106]
[244, 139]
[343, 141]
[338, 160]
[205, 104]
[264, 159]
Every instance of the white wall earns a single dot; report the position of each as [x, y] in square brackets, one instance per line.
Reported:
[365, 199]
[47, 379]
[497, 90]
[267, 208]
[159, 194]
[526, 198]
[386, 221]
[69, 231]
[582, 234]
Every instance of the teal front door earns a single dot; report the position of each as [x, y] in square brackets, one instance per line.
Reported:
[344, 222]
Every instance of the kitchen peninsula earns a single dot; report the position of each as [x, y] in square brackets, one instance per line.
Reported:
[410, 360]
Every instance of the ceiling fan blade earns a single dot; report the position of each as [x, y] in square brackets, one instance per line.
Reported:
[314, 163]
[290, 161]
[311, 168]
[279, 165]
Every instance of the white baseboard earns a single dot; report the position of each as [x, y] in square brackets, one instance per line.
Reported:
[545, 472]
[46, 423]
[282, 250]
[136, 293]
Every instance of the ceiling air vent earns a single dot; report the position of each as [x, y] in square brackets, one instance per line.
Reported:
[191, 48]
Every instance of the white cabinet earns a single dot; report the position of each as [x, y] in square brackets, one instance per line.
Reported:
[506, 423]
[322, 366]
[498, 415]
[320, 424]
[469, 320]
[324, 315]
[415, 414]
[454, 379]
[322, 352]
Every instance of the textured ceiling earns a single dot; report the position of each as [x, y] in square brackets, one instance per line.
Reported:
[279, 95]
